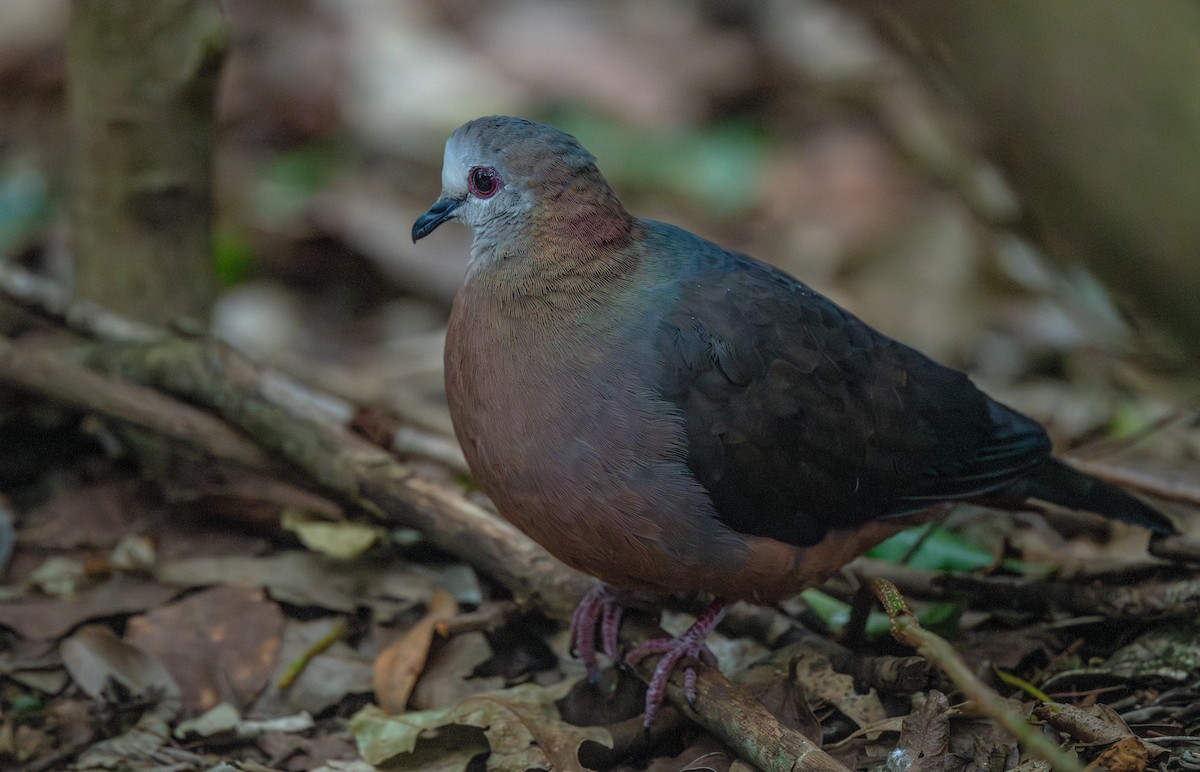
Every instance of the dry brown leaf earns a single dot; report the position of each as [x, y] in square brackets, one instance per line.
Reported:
[925, 734]
[815, 672]
[400, 664]
[95, 516]
[304, 578]
[450, 676]
[325, 679]
[1129, 754]
[96, 658]
[220, 644]
[982, 744]
[44, 618]
[1096, 725]
[704, 753]
[521, 726]
[783, 696]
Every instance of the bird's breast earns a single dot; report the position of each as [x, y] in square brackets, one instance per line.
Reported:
[539, 393]
[562, 428]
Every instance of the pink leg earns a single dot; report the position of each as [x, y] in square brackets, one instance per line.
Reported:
[610, 625]
[601, 604]
[689, 646]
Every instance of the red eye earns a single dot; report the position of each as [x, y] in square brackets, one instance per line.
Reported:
[483, 181]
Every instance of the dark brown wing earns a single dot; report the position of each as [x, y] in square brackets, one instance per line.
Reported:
[799, 417]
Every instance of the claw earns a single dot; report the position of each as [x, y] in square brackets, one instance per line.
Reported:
[601, 604]
[686, 649]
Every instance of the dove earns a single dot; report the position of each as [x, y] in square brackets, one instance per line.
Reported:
[670, 416]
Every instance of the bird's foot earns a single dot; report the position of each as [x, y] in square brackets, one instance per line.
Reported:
[688, 648]
[602, 604]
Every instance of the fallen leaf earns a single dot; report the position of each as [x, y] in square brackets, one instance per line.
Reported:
[224, 720]
[131, 750]
[1128, 754]
[977, 744]
[96, 658]
[325, 679]
[304, 578]
[399, 665]
[46, 618]
[95, 516]
[340, 539]
[925, 734]
[220, 644]
[1166, 650]
[1097, 725]
[704, 753]
[521, 725]
[221, 719]
[784, 696]
[345, 766]
[815, 672]
[450, 673]
[59, 576]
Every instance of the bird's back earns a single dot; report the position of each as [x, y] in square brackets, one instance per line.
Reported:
[801, 418]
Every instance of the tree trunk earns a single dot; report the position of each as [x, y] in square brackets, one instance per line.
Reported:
[141, 80]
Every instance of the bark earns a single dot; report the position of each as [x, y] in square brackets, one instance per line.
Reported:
[141, 80]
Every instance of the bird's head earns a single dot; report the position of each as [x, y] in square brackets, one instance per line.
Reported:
[501, 174]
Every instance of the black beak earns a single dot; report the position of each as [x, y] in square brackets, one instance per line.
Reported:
[442, 210]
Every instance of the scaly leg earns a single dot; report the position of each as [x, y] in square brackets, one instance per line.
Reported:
[601, 604]
[688, 646]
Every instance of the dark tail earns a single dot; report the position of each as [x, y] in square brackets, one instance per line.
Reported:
[1058, 483]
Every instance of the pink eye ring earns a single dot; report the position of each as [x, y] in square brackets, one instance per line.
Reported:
[483, 181]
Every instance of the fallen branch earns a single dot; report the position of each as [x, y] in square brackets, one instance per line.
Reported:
[55, 376]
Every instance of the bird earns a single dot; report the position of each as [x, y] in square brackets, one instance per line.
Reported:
[670, 416]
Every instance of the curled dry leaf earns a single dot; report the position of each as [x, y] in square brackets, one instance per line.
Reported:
[400, 664]
[43, 618]
[1128, 754]
[1098, 725]
[96, 658]
[305, 578]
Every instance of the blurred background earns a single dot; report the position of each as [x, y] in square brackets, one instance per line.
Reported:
[788, 129]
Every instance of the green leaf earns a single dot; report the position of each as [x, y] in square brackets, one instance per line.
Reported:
[941, 551]
[941, 618]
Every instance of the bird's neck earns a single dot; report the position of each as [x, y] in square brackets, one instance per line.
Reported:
[582, 213]
[580, 246]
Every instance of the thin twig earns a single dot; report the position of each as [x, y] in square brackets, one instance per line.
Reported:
[907, 630]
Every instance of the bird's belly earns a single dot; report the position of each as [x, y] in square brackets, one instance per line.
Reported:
[581, 457]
